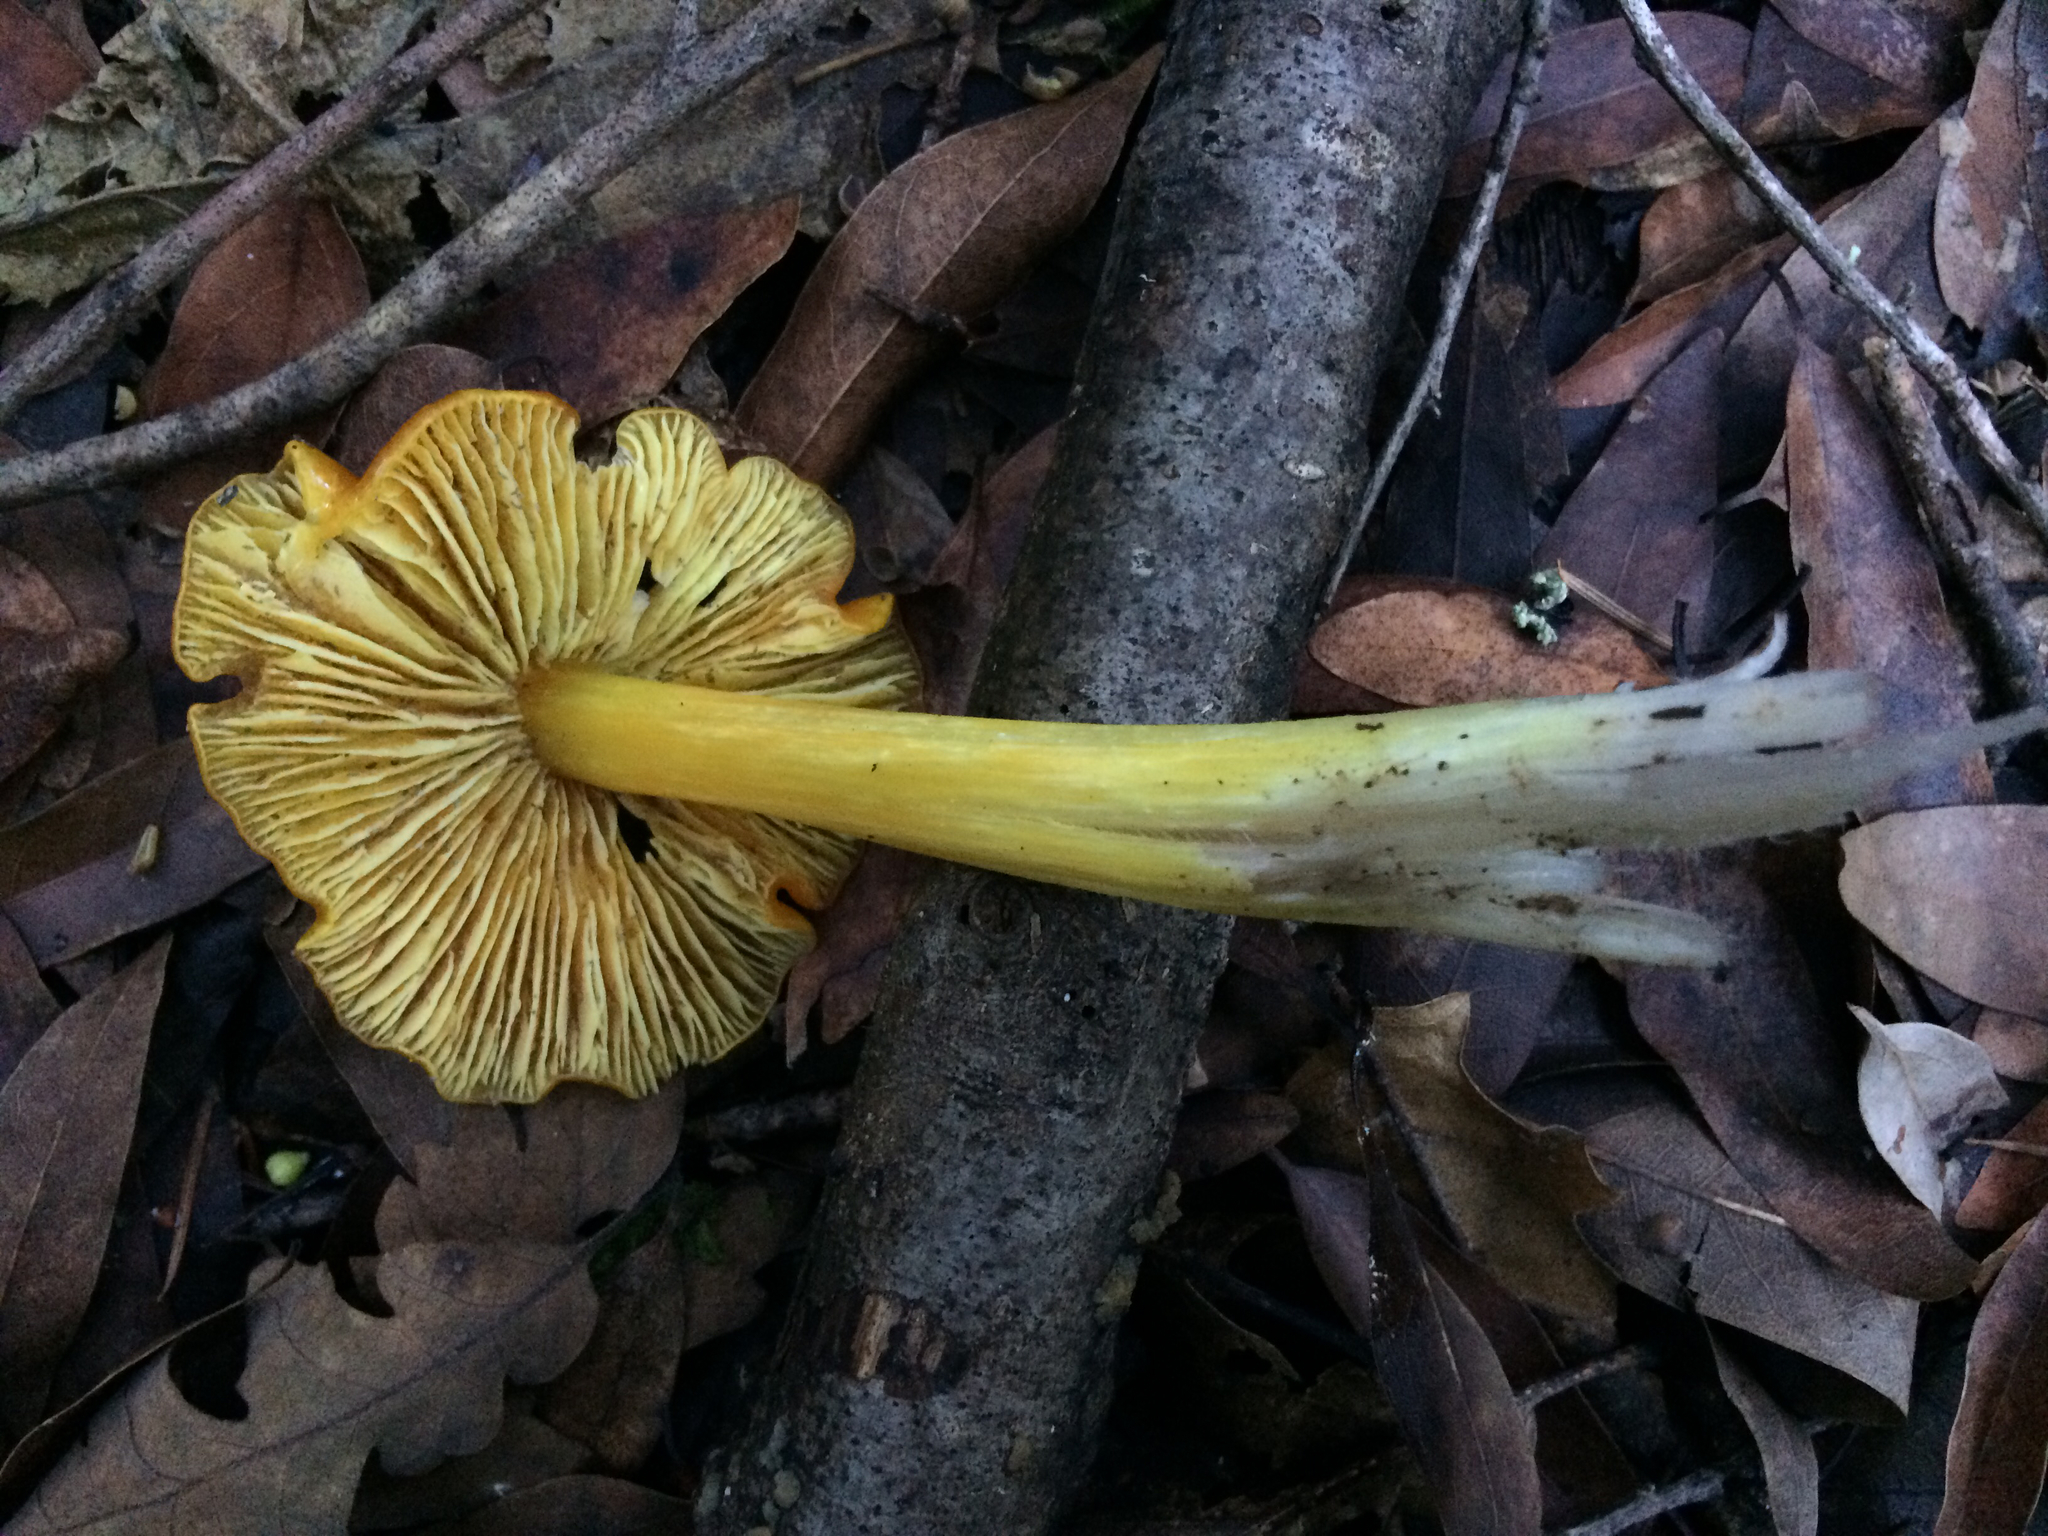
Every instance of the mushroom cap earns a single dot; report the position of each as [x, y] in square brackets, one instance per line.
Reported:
[507, 928]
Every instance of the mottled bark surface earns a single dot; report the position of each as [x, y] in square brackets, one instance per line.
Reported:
[946, 1364]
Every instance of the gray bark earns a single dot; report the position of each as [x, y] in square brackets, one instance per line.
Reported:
[945, 1366]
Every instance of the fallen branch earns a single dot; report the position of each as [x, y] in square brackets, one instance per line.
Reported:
[123, 295]
[1921, 350]
[1949, 513]
[696, 72]
[1457, 281]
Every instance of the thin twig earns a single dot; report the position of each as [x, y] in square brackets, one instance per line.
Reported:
[1652, 1502]
[697, 72]
[1926, 356]
[887, 46]
[1458, 280]
[1949, 513]
[188, 1188]
[119, 297]
[1544, 1389]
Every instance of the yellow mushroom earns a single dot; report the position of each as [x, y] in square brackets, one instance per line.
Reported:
[556, 752]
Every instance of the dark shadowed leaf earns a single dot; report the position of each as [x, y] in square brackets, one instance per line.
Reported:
[1692, 1232]
[1918, 48]
[1634, 528]
[1791, 1470]
[2011, 1187]
[66, 1117]
[2017, 1045]
[1985, 249]
[26, 1006]
[70, 880]
[587, 1505]
[733, 1233]
[611, 323]
[1423, 642]
[524, 1453]
[1511, 991]
[942, 239]
[1448, 1389]
[38, 70]
[1999, 1445]
[1751, 1043]
[326, 1386]
[1958, 893]
[1223, 1128]
[414, 377]
[282, 283]
[1509, 1189]
[1599, 110]
[842, 976]
[1890, 226]
[1874, 602]
[1794, 92]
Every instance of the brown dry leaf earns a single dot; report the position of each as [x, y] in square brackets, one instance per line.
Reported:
[950, 618]
[1874, 602]
[1692, 1232]
[327, 1386]
[748, 1223]
[842, 973]
[1694, 230]
[38, 70]
[2012, 1187]
[944, 237]
[613, 1399]
[1917, 47]
[1599, 112]
[1890, 226]
[1226, 1127]
[1452, 1397]
[1985, 249]
[1796, 93]
[586, 1505]
[1754, 1048]
[611, 323]
[1999, 1444]
[2030, 61]
[1957, 893]
[67, 1115]
[1791, 1470]
[1920, 1087]
[67, 880]
[414, 378]
[580, 1152]
[282, 283]
[1509, 1189]
[46, 656]
[1424, 642]
[26, 1005]
[524, 1452]
[1635, 527]
[2017, 1045]
[1621, 364]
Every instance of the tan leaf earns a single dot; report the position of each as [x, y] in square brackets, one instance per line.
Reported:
[1693, 230]
[1920, 1086]
[1783, 1444]
[943, 237]
[1985, 249]
[2011, 1187]
[1421, 642]
[67, 1115]
[326, 1386]
[1957, 893]
[1510, 1189]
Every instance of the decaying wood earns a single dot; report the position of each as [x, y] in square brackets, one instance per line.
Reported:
[945, 1367]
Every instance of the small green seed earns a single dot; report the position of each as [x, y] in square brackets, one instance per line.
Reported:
[285, 1168]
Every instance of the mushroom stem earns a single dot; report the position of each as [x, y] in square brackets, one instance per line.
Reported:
[1467, 820]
